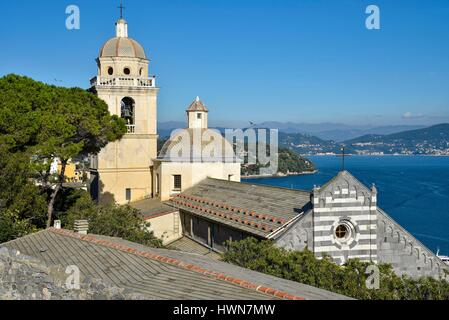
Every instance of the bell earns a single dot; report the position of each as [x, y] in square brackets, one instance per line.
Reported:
[127, 113]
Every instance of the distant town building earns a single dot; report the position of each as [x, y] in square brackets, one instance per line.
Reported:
[72, 173]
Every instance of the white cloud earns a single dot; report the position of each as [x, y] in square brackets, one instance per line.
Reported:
[409, 115]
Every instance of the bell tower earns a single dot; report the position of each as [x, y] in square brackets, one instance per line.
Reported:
[122, 171]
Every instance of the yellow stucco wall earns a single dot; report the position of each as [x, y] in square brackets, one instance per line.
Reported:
[167, 227]
[191, 174]
[71, 174]
[126, 164]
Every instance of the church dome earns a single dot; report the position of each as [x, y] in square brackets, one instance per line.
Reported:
[212, 148]
[122, 47]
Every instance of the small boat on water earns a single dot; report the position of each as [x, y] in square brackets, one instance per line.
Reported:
[445, 259]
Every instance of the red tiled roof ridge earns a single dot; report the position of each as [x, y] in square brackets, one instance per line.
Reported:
[219, 276]
[262, 226]
[232, 208]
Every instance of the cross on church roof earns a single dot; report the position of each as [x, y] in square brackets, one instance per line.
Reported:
[343, 155]
[121, 9]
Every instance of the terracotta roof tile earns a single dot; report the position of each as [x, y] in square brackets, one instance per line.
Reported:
[257, 210]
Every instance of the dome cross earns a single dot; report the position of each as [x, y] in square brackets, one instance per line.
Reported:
[121, 7]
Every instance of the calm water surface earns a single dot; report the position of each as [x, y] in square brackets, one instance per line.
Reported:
[413, 190]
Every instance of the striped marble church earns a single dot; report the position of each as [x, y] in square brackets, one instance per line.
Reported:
[345, 219]
[340, 219]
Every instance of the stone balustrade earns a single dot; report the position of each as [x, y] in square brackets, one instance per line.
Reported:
[123, 82]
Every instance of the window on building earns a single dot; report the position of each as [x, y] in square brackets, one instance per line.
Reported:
[127, 71]
[177, 182]
[128, 194]
[110, 71]
[341, 232]
[198, 116]
[157, 183]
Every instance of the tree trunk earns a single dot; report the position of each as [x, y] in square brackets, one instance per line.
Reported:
[55, 192]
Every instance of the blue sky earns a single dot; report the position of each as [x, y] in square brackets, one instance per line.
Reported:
[266, 60]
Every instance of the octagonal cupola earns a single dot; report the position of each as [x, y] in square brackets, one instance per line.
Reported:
[122, 56]
[197, 115]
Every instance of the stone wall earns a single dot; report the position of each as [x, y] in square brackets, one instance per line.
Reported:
[374, 236]
[345, 220]
[404, 252]
[26, 278]
[299, 236]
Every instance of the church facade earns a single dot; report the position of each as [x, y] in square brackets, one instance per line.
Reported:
[341, 220]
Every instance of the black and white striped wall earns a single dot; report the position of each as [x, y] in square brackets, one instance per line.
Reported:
[345, 220]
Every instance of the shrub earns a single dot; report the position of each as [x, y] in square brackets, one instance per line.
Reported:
[349, 279]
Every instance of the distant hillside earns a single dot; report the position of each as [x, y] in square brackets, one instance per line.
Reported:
[307, 144]
[432, 140]
[425, 141]
[325, 131]
[335, 131]
[346, 134]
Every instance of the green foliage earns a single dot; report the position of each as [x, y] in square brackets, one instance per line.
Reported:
[22, 203]
[47, 122]
[289, 162]
[57, 121]
[112, 220]
[349, 280]
[38, 123]
[13, 225]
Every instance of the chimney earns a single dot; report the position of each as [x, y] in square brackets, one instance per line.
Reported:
[57, 224]
[81, 226]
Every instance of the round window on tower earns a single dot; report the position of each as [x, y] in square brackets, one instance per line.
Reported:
[141, 71]
[126, 71]
[110, 71]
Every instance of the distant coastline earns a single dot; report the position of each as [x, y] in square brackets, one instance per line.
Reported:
[377, 155]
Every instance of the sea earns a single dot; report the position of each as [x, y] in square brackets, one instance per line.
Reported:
[414, 190]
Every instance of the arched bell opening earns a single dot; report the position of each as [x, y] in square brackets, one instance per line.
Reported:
[128, 107]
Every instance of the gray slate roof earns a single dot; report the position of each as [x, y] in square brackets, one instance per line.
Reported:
[151, 208]
[186, 244]
[157, 273]
[193, 146]
[258, 210]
